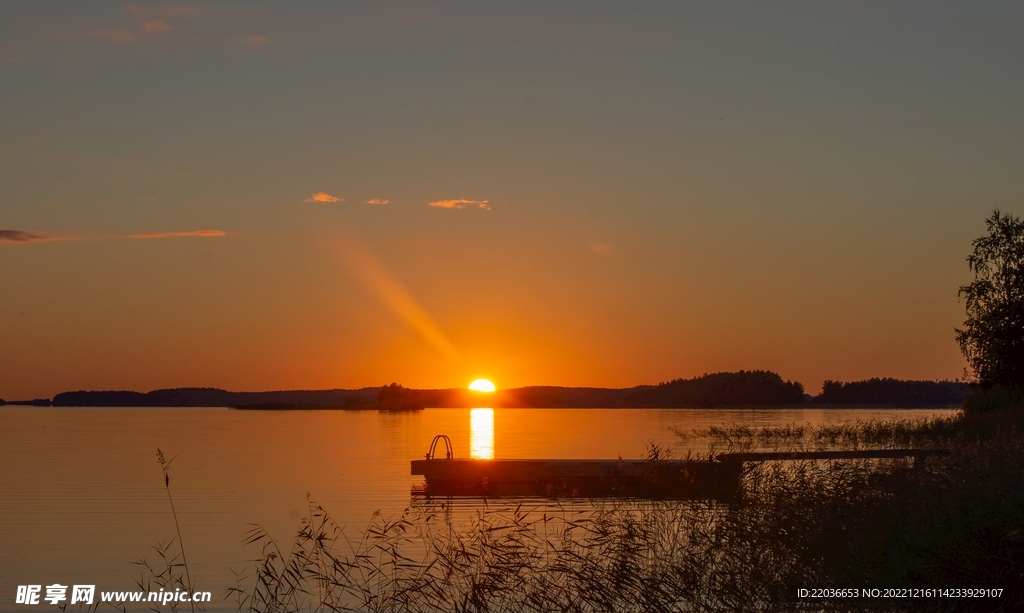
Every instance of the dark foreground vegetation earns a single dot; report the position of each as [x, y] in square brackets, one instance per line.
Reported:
[955, 522]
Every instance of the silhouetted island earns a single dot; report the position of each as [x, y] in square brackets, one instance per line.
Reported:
[893, 392]
[746, 388]
[750, 387]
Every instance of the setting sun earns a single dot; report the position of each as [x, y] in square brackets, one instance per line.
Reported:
[482, 385]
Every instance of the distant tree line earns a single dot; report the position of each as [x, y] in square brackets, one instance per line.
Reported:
[212, 397]
[746, 387]
[893, 392]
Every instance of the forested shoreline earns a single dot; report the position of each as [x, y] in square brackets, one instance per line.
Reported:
[753, 388]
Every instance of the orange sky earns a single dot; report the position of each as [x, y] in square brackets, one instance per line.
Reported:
[327, 196]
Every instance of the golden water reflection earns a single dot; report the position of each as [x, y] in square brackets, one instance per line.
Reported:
[481, 434]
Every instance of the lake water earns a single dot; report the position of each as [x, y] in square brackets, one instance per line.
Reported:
[82, 496]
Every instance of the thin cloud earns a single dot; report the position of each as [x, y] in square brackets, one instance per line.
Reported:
[167, 10]
[156, 26]
[323, 197]
[460, 204]
[170, 26]
[377, 201]
[17, 236]
[113, 36]
[255, 40]
[199, 233]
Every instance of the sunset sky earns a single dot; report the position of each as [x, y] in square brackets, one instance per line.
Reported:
[323, 194]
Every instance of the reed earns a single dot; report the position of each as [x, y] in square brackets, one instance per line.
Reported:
[957, 522]
[169, 570]
[925, 432]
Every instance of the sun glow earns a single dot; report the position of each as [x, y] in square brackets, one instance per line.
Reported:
[482, 385]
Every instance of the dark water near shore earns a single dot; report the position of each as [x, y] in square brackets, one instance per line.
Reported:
[81, 493]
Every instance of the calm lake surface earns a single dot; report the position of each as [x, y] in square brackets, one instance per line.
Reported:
[82, 496]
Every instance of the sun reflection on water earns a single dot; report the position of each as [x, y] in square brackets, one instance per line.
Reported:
[481, 434]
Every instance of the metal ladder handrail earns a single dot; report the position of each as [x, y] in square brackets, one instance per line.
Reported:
[449, 452]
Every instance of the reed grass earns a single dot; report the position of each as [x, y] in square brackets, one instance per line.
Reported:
[923, 432]
[169, 570]
[956, 522]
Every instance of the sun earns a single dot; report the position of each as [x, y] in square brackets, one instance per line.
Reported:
[482, 385]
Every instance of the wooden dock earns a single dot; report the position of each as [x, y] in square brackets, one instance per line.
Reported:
[577, 478]
[719, 478]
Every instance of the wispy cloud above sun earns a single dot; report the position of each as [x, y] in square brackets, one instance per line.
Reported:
[196, 233]
[156, 26]
[323, 197]
[110, 36]
[377, 201]
[254, 40]
[165, 10]
[172, 26]
[17, 236]
[460, 203]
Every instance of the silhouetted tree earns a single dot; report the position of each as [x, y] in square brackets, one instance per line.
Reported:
[395, 396]
[992, 338]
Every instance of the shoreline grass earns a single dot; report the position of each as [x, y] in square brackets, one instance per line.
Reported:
[955, 522]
